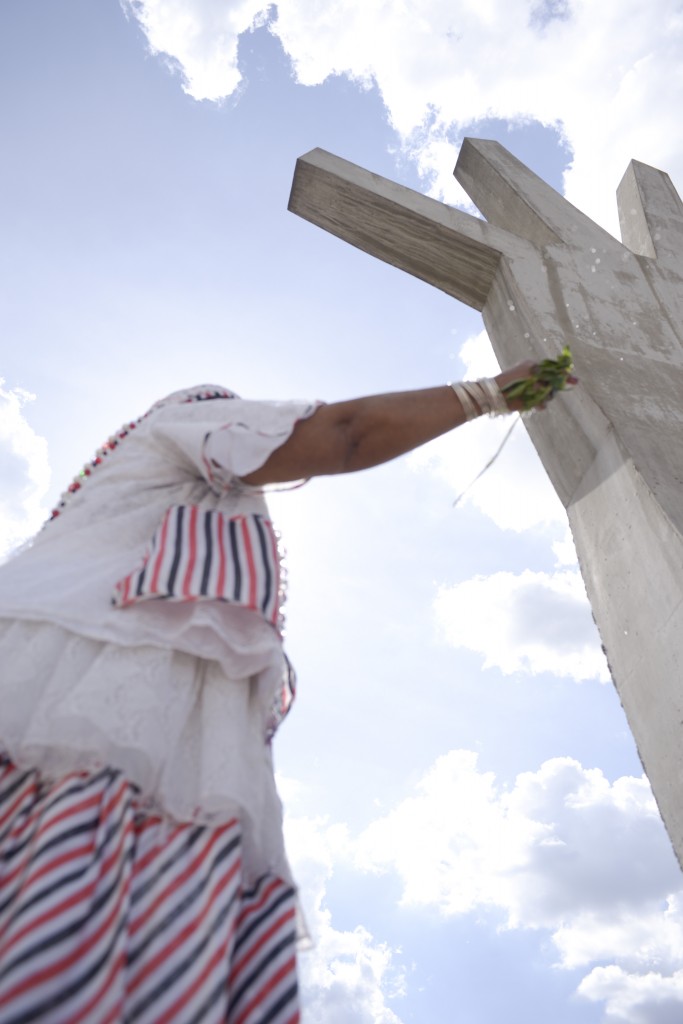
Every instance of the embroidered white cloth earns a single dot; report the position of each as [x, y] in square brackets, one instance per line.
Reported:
[176, 694]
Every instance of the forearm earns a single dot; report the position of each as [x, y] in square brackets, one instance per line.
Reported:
[344, 437]
[382, 427]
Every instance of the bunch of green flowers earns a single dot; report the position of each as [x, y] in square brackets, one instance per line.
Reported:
[546, 379]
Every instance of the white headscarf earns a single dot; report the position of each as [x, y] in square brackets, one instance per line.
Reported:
[198, 393]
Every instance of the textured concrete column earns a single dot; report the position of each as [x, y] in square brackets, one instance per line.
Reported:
[544, 275]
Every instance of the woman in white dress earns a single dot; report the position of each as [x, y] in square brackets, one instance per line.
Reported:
[143, 876]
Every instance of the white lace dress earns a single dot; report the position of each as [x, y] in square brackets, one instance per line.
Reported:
[178, 693]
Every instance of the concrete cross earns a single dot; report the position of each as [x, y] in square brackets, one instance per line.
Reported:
[544, 275]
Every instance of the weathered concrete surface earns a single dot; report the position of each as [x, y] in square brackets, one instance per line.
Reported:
[612, 449]
[447, 248]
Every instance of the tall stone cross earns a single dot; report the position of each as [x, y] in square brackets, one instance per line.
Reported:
[544, 275]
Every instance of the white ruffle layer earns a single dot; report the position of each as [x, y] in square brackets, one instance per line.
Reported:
[188, 736]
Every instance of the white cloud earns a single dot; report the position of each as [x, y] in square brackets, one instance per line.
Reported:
[345, 975]
[649, 938]
[478, 356]
[606, 74]
[563, 849]
[561, 845]
[564, 550]
[635, 999]
[24, 470]
[531, 622]
[199, 38]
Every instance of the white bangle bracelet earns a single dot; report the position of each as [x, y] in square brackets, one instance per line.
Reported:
[497, 405]
[480, 397]
[463, 396]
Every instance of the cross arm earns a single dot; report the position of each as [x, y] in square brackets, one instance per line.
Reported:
[650, 213]
[447, 248]
[511, 196]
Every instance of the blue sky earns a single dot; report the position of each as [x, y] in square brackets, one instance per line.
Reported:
[465, 807]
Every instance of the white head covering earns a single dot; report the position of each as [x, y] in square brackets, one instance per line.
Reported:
[198, 393]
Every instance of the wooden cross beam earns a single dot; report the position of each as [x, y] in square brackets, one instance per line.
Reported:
[544, 275]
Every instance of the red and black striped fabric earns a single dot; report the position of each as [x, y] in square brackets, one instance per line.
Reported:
[111, 914]
[198, 553]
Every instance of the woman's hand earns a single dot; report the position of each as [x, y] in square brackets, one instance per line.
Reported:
[519, 373]
[511, 376]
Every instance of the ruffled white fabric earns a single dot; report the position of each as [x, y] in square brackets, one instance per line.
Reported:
[178, 696]
[69, 572]
[188, 736]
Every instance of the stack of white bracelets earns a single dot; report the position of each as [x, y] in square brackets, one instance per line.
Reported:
[480, 397]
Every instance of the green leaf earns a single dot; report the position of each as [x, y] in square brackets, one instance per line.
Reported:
[547, 378]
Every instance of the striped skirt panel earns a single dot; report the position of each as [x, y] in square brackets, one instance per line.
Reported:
[110, 914]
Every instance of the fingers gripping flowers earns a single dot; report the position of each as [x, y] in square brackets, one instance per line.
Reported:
[545, 380]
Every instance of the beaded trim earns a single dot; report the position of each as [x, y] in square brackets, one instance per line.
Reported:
[203, 393]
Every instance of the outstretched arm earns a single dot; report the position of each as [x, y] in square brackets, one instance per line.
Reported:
[347, 436]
